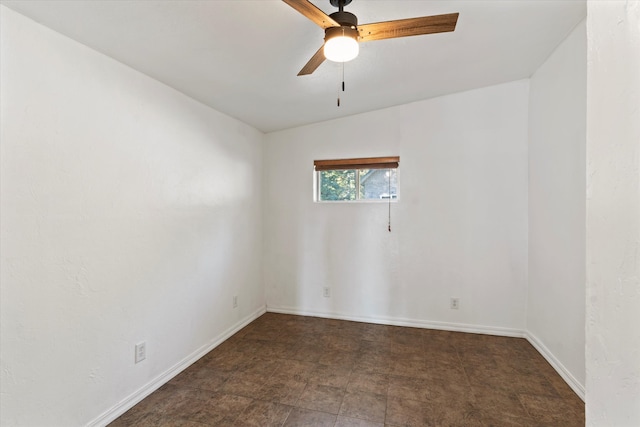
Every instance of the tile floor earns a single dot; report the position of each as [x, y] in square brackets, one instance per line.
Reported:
[286, 370]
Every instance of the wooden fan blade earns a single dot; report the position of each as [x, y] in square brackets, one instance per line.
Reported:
[408, 27]
[314, 62]
[312, 12]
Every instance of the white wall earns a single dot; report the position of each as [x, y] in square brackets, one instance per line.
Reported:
[459, 230]
[557, 139]
[129, 213]
[613, 214]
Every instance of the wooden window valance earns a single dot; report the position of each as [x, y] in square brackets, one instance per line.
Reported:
[362, 163]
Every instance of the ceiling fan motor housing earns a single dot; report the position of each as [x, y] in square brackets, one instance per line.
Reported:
[345, 19]
[348, 28]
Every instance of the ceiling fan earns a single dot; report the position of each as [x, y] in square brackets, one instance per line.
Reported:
[342, 32]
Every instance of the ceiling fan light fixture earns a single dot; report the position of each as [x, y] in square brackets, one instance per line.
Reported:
[341, 45]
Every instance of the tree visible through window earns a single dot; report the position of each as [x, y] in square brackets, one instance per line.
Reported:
[338, 185]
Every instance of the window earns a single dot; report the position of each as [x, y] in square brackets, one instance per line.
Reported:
[357, 179]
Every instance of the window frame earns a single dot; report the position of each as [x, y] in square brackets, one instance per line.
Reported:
[356, 164]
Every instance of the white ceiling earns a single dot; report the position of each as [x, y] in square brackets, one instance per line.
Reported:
[241, 57]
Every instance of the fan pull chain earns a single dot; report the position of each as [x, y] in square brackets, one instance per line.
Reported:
[342, 83]
[389, 200]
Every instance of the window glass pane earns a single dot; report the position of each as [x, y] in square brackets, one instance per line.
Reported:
[338, 185]
[378, 183]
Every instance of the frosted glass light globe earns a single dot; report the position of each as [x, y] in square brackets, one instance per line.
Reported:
[341, 49]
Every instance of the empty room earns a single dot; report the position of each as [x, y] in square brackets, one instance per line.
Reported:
[319, 213]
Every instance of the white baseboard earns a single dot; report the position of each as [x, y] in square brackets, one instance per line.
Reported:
[398, 321]
[144, 391]
[456, 327]
[557, 365]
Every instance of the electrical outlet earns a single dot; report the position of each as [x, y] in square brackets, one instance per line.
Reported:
[455, 303]
[141, 352]
[326, 292]
[235, 301]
